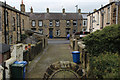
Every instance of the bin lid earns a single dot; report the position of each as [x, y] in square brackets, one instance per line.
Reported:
[76, 52]
[17, 65]
[20, 62]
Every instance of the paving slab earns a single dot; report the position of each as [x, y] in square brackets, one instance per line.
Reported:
[57, 50]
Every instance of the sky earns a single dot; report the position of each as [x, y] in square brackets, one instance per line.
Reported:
[58, 5]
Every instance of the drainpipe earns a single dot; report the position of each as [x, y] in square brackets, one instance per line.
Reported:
[5, 23]
[20, 28]
[4, 73]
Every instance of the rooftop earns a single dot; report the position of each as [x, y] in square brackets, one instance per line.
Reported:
[11, 8]
[4, 48]
[55, 16]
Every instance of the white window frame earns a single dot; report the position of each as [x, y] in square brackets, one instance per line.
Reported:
[51, 23]
[0, 21]
[74, 22]
[57, 32]
[98, 18]
[85, 21]
[68, 22]
[108, 13]
[57, 23]
[33, 23]
[40, 23]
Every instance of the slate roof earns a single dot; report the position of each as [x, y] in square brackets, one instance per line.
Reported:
[103, 7]
[55, 16]
[4, 48]
[84, 15]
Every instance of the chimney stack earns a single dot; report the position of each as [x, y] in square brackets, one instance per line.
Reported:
[113, 1]
[31, 9]
[63, 10]
[95, 10]
[22, 6]
[79, 10]
[47, 10]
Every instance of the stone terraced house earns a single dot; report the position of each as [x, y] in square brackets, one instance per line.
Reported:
[57, 25]
[13, 23]
[105, 16]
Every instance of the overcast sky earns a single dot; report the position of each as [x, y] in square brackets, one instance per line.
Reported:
[57, 5]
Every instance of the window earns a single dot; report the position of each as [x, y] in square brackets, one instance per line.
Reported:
[57, 22]
[40, 23]
[0, 22]
[33, 23]
[10, 39]
[51, 23]
[98, 18]
[17, 19]
[84, 22]
[58, 32]
[41, 31]
[6, 15]
[74, 23]
[23, 24]
[74, 31]
[13, 24]
[68, 22]
[108, 20]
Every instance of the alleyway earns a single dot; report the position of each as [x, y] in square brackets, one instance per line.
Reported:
[57, 50]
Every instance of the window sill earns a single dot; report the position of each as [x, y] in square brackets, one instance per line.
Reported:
[97, 24]
[107, 23]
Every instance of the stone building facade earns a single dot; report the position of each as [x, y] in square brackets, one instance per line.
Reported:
[105, 16]
[13, 23]
[56, 24]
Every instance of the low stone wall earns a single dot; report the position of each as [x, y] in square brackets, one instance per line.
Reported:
[35, 48]
[84, 57]
[77, 45]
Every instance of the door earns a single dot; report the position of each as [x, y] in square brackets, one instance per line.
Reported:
[51, 33]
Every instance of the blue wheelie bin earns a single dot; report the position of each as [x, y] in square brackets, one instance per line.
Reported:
[76, 57]
[24, 68]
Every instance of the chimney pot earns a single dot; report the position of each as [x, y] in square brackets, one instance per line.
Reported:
[63, 10]
[31, 9]
[79, 10]
[47, 10]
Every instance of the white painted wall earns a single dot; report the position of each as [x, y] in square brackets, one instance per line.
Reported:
[16, 55]
[1, 72]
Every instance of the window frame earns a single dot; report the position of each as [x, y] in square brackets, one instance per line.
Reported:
[0, 21]
[84, 22]
[13, 24]
[68, 23]
[39, 23]
[58, 33]
[76, 23]
[108, 14]
[56, 23]
[50, 22]
[34, 23]
[23, 23]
